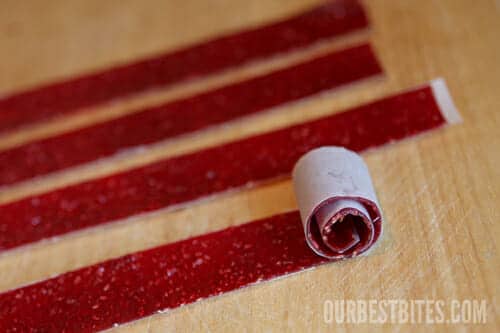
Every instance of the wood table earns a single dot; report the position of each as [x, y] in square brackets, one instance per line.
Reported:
[440, 192]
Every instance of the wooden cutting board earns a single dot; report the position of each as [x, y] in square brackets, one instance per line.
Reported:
[440, 192]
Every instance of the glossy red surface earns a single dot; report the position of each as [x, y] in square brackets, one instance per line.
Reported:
[193, 113]
[328, 20]
[166, 277]
[237, 164]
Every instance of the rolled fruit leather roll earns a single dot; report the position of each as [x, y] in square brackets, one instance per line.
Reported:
[337, 202]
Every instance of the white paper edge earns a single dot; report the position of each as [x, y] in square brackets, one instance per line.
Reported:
[304, 186]
[445, 101]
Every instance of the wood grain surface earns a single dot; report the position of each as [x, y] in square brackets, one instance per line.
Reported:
[440, 192]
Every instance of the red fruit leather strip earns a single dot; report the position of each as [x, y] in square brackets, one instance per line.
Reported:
[188, 177]
[140, 284]
[328, 20]
[179, 117]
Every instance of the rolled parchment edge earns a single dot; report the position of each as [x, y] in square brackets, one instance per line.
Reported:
[327, 175]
